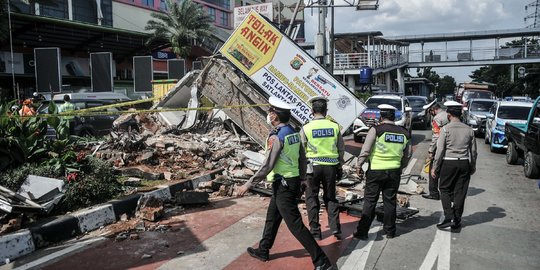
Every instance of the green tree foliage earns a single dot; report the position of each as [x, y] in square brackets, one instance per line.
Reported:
[181, 25]
[447, 85]
[500, 74]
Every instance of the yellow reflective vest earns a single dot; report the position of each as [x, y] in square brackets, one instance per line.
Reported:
[322, 136]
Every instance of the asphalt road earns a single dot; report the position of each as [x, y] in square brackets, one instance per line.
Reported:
[501, 230]
[501, 224]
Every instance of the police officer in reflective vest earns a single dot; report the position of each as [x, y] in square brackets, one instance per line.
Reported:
[439, 120]
[285, 168]
[388, 151]
[324, 146]
[455, 162]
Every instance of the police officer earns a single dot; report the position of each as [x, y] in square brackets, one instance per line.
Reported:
[285, 168]
[67, 106]
[455, 162]
[439, 120]
[324, 146]
[387, 148]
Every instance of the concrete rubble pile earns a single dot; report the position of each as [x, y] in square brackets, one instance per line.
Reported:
[150, 150]
[37, 195]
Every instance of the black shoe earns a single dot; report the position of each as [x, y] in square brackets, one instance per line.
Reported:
[326, 265]
[257, 253]
[445, 224]
[337, 234]
[361, 236]
[431, 197]
[456, 225]
[389, 235]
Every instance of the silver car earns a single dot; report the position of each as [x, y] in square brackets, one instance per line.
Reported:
[475, 114]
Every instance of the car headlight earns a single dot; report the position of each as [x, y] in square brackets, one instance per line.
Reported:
[422, 113]
[499, 127]
[475, 118]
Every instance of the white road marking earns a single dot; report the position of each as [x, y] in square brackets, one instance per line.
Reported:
[59, 254]
[440, 248]
[410, 166]
[359, 256]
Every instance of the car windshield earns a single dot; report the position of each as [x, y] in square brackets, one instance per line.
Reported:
[481, 106]
[374, 102]
[513, 112]
[477, 94]
[417, 102]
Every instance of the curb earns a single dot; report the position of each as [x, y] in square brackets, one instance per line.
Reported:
[51, 231]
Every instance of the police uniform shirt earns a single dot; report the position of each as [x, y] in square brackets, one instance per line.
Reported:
[439, 120]
[456, 141]
[274, 147]
[370, 140]
[340, 144]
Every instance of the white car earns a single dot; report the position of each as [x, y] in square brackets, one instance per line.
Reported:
[370, 116]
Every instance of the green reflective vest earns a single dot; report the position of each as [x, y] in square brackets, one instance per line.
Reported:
[322, 135]
[287, 163]
[67, 107]
[388, 148]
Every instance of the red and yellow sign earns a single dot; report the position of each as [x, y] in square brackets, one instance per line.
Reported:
[253, 44]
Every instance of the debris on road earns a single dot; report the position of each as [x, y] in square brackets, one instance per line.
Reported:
[150, 208]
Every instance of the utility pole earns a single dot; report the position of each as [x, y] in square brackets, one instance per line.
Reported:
[324, 50]
[320, 41]
[11, 50]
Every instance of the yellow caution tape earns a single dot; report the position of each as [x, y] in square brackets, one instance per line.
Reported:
[116, 105]
[96, 113]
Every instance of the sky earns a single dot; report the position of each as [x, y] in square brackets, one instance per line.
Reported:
[409, 17]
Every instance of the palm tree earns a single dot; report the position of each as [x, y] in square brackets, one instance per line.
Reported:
[179, 26]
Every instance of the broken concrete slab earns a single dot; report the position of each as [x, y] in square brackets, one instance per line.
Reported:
[252, 160]
[150, 208]
[141, 171]
[191, 197]
[172, 119]
[35, 187]
[133, 182]
[215, 83]
[407, 185]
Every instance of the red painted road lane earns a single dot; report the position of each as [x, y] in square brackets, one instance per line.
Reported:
[188, 230]
[288, 253]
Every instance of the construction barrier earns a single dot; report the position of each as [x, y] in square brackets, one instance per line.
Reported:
[161, 87]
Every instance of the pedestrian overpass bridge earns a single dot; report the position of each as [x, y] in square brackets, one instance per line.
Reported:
[385, 54]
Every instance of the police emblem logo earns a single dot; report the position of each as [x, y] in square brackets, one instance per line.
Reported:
[343, 102]
[297, 62]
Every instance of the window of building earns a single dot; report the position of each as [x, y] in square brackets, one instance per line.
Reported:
[58, 9]
[149, 3]
[162, 5]
[212, 13]
[224, 19]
